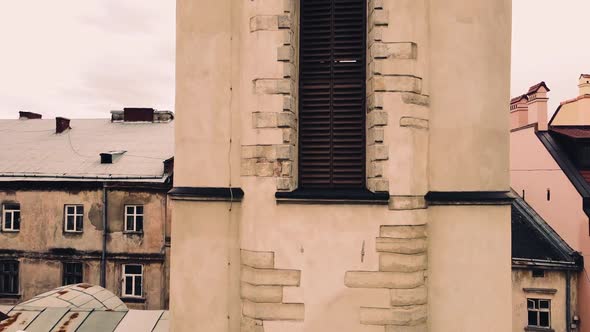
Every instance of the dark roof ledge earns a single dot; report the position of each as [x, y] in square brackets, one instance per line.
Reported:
[24, 115]
[61, 125]
[110, 157]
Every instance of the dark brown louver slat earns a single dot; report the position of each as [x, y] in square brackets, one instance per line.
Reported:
[332, 94]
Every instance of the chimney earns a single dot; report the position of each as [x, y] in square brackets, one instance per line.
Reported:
[519, 112]
[537, 105]
[111, 156]
[24, 115]
[584, 84]
[135, 114]
[61, 125]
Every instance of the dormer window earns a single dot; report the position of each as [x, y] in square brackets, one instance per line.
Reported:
[332, 95]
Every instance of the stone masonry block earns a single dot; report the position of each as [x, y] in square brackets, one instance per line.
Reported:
[250, 151]
[407, 328]
[285, 53]
[403, 232]
[407, 203]
[403, 50]
[287, 36]
[412, 315]
[284, 151]
[264, 120]
[376, 118]
[286, 120]
[379, 17]
[378, 152]
[270, 277]
[286, 168]
[251, 325]
[248, 167]
[288, 103]
[369, 279]
[375, 100]
[289, 135]
[413, 296]
[412, 122]
[261, 294]
[273, 311]
[375, 4]
[402, 262]
[285, 183]
[378, 184]
[288, 70]
[417, 99]
[272, 86]
[375, 169]
[398, 83]
[401, 246]
[284, 21]
[264, 22]
[265, 169]
[375, 135]
[258, 259]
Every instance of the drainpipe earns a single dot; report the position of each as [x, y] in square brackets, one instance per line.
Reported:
[568, 300]
[103, 257]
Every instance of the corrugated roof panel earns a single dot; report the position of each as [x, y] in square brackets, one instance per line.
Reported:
[5, 308]
[18, 320]
[163, 324]
[47, 319]
[102, 321]
[71, 321]
[139, 321]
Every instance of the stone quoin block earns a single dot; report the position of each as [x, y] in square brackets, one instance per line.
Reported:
[264, 22]
[273, 311]
[248, 167]
[285, 183]
[376, 135]
[412, 315]
[407, 203]
[257, 259]
[286, 120]
[375, 169]
[401, 246]
[261, 294]
[411, 98]
[285, 53]
[403, 50]
[406, 297]
[402, 262]
[369, 279]
[379, 18]
[266, 169]
[377, 118]
[284, 21]
[251, 325]
[270, 277]
[375, 4]
[284, 151]
[378, 152]
[403, 232]
[272, 86]
[378, 184]
[398, 83]
[411, 122]
[264, 120]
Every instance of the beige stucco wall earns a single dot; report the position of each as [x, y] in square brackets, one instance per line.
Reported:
[42, 230]
[553, 280]
[534, 170]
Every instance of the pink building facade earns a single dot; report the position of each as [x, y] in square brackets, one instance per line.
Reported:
[549, 167]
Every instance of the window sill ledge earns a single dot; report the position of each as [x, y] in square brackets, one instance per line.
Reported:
[133, 299]
[133, 233]
[538, 329]
[11, 231]
[325, 196]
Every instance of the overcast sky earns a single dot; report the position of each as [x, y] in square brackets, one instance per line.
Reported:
[84, 58]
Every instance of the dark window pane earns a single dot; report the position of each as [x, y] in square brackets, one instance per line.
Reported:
[130, 210]
[8, 217]
[139, 209]
[79, 223]
[544, 304]
[79, 209]
[129, 225]
[137, 286]
[70, 209]
[70, 223]
[544, 319]
[530, 304]
[132, 269]
[16, 220]
[532, 318]
[128, 285]
[139, 223]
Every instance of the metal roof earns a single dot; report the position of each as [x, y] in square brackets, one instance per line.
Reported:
[31, 150]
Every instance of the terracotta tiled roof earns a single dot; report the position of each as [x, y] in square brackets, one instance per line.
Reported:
[573, 132]
[537, 86]
[517, 99]
[585, 76]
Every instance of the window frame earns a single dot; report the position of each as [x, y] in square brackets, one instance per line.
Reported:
[15, 275]
[66, 274]
[5, 211]
[134, 215]
[133, 277]
[75, 215]
[538, 310]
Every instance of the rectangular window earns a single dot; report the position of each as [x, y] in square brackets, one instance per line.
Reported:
[332, 95]
[134, 218]
[538, 273]
[74, 218]
[539, 312]
[73, 273]
[132, 280]
[8, 277]
[11, 217]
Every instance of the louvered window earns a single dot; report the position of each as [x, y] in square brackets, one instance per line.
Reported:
[332, 94]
